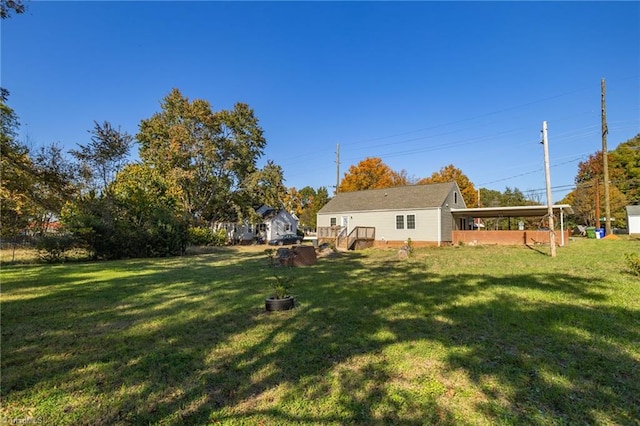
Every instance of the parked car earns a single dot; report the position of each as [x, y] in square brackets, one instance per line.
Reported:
[286, 239]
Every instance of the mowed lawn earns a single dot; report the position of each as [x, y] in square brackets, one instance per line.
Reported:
[453, 335]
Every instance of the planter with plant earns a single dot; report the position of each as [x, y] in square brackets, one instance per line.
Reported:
[281, 279]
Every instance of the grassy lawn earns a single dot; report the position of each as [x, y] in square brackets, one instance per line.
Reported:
[456, 335]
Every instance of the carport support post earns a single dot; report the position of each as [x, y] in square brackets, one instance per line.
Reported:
[561, 227]
[552, 234]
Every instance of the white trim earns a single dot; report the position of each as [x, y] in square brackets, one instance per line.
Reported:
[439, 225]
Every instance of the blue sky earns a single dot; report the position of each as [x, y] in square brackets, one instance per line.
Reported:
[419, 84]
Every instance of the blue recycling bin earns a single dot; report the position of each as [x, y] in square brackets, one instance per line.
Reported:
[600, 232]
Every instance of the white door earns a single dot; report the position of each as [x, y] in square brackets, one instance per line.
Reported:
[345, 222]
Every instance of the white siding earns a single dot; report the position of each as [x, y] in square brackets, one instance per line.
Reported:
[385, 223]
[278, 225]
[634, 224]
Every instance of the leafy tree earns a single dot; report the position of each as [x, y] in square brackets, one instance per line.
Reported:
[453, 174]
[309, 217]
[104, 156]
[582, 200]
[293, 201]
[207, 156]
[306, 195]
[624, 170]
[33, 187]
[403, 178]
[7, 7]
[266, 186]
[590, 177]
[490, 198]
[593, 168]
[510, 197]
[370, 173]
[514, 197]
[53, 186]
[139, 218]
[16, 170]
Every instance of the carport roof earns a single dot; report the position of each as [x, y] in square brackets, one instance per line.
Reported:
[511, 211]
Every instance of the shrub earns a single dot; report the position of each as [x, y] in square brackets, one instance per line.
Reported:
[203, 236]
[52, 248]
[114, 230]
[633, 262]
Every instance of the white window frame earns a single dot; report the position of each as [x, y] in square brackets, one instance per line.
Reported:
[409, 222]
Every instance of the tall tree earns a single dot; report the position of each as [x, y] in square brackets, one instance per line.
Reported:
[303, 203]
[370, 173]
[316, 202]
[264, 186]
[54, 185]
[624, 170]
[208, 156]
[16, 171]
[33, 188]
[293, 201]
[589, 185]
[453, 174]
[104, 156]
[582, 200]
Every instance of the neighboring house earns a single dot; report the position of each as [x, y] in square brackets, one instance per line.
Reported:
[633, 219]
[273, 222]
[394, 215]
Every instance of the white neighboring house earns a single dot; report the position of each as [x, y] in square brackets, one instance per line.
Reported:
[420, 212]
[633, 219]
[273, 222]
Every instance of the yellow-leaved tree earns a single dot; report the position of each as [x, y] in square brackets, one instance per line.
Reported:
[453, 174]
[371, 173]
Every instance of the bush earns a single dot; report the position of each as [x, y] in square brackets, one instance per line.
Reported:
[112, 230]
[202, 236]
[633, 262]
[52, 248]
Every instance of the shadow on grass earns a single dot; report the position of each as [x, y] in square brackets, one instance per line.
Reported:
[187, 341]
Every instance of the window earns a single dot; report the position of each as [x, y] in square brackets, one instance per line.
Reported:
[250, 229]
[287, 227]
[262, 227]
[455, 198]
[411, 221]
[334, 221]
[399, 222]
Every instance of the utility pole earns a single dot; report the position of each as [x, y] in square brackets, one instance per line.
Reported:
[605, 163]
[552, 234]
[337, 166]
[597, 191]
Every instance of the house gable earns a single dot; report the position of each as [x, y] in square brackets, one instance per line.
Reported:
[399, 198]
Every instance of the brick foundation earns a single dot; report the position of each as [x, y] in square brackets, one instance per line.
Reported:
[506, 237]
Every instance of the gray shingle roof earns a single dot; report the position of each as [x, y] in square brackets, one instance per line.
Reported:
[402, 197]
[633, 210]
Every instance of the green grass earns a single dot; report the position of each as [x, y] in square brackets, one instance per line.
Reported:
[457, 335]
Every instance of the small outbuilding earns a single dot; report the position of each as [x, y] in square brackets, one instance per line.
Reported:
[633, 219]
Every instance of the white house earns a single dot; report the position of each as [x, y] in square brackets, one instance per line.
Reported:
[273, 222]
[421, 213]
[633, 219]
